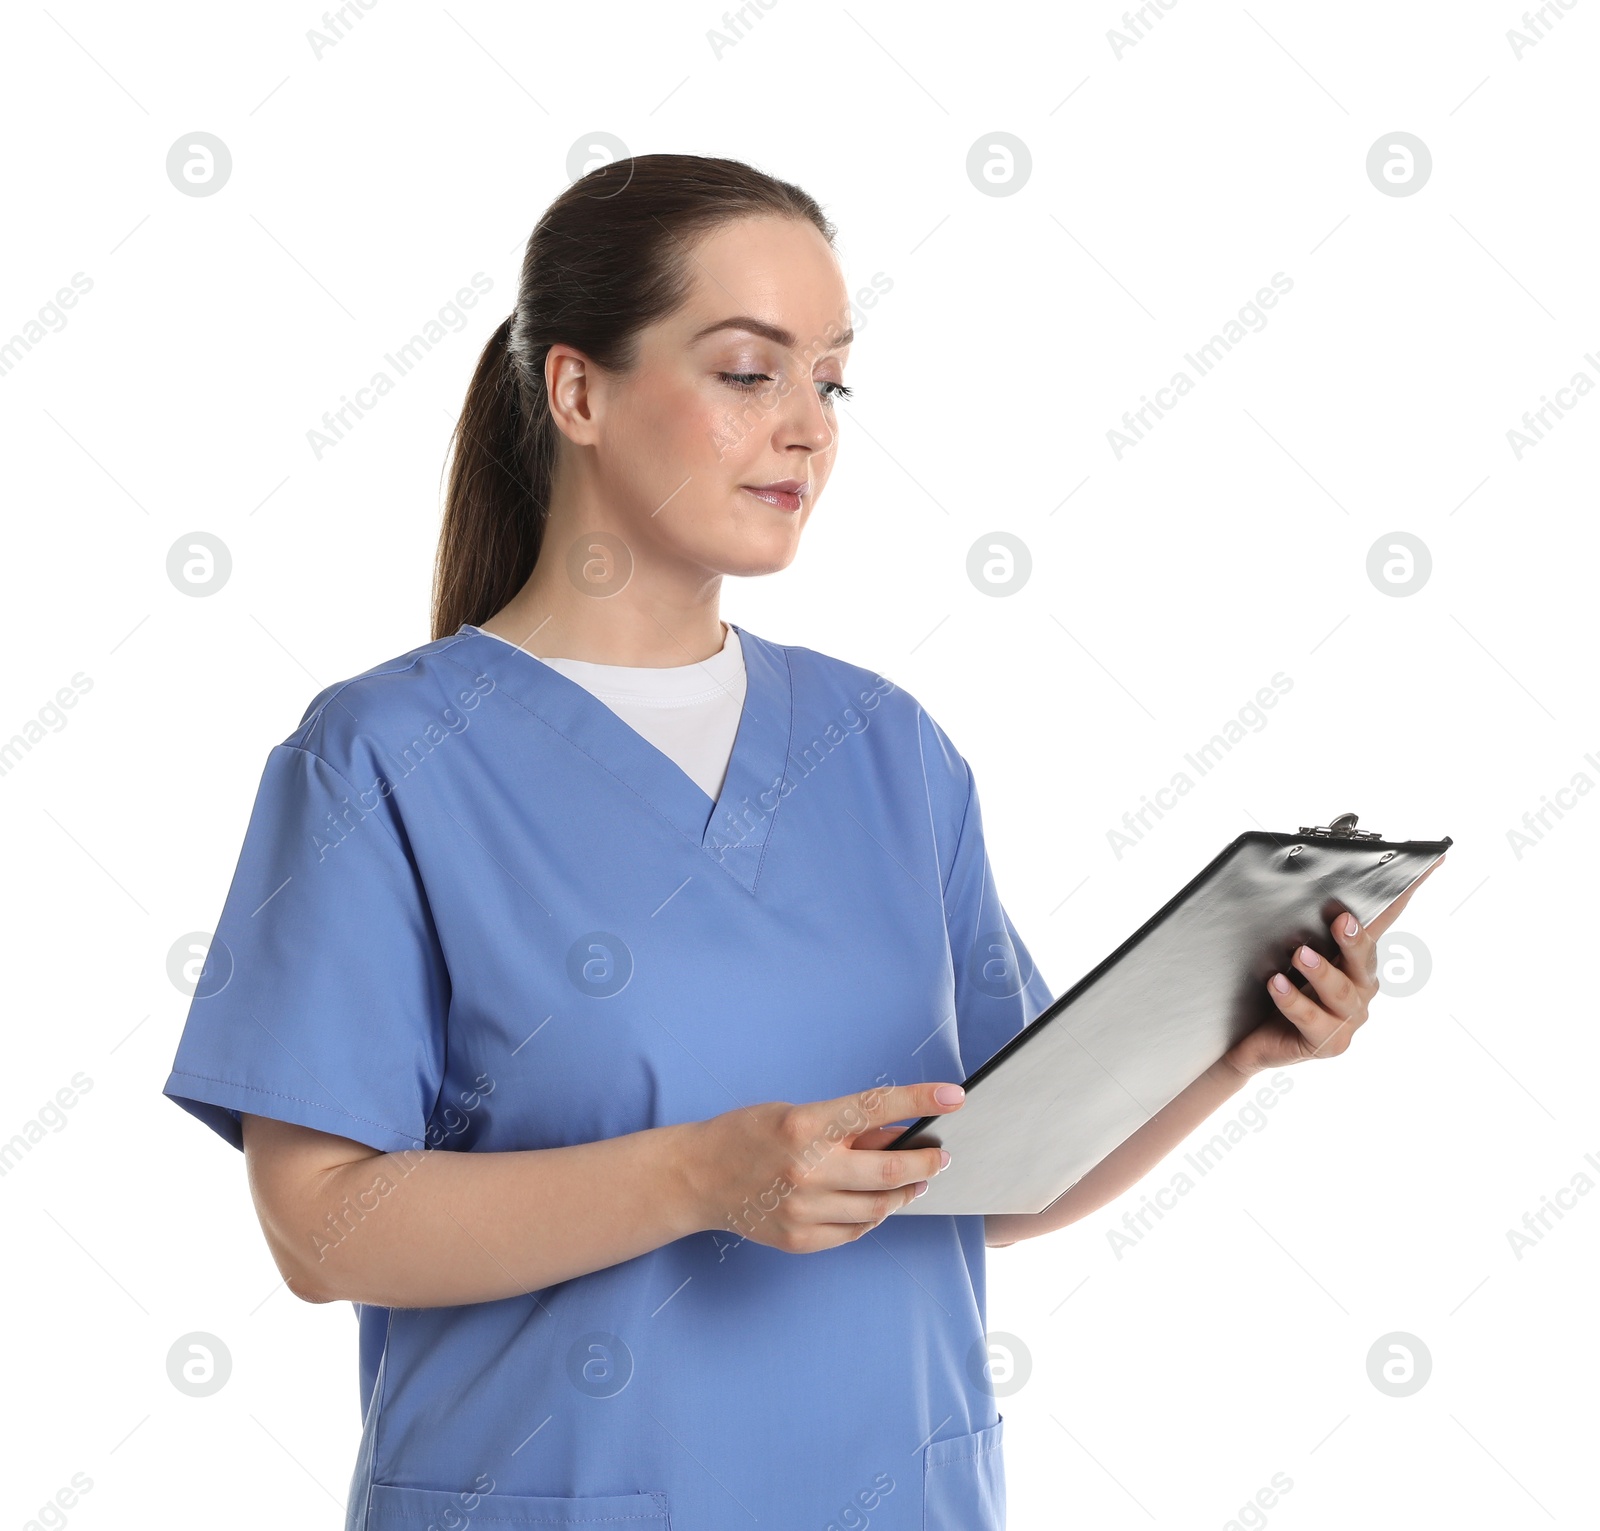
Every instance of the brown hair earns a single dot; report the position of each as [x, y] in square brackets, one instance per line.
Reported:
[609, 256]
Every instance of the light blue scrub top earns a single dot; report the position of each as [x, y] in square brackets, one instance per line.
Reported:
[476, 911]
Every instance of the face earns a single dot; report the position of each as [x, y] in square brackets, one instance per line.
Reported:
[713, 449]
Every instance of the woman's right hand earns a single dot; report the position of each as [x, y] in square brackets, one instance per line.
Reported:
[802, 1178]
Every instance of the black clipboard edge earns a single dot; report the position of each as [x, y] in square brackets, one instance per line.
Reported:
[1209, 870]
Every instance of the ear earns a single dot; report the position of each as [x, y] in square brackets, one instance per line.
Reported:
[575, 390]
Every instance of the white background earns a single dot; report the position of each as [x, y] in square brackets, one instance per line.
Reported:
[1167, 185]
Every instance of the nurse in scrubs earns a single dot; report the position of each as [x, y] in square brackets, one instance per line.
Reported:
[579, 962]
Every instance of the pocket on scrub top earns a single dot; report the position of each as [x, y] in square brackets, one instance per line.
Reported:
[426, 1509]
[964, 1482]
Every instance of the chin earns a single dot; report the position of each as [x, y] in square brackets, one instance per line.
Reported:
[747, 565]
[750, 559]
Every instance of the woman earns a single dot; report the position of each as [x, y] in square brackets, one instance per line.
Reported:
[562, 1004]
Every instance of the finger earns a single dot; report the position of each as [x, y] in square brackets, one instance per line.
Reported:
[1358, 951]
[851, 1114]
[1333, 986]
[882, 1169]
[877, 1137]
[857, 1207]
[1324, 1034]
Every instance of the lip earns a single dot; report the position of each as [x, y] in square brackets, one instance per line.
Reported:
[784, 494]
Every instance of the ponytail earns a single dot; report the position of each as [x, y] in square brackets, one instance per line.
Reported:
[609, 256]
[498, 493]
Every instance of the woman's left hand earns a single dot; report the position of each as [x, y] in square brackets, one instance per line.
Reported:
[1345, 988]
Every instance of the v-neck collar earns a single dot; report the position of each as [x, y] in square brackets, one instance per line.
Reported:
[734, 830]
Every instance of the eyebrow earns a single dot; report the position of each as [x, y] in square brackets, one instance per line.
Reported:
[773, 332]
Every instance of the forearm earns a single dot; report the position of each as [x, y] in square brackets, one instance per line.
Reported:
[434, 1228]
[1127, 1164]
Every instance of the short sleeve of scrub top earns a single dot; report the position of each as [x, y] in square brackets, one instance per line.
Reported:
[475, 911]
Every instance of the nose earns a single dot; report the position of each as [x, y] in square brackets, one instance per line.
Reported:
[803, 421]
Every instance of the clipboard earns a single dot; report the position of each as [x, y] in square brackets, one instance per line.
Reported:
[1136, 1030]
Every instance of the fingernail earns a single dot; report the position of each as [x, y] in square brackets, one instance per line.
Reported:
[1280, 983]
[1350, 926]
[949, 1094]
[922, 1185]
[944, 1157]
[1309, 957]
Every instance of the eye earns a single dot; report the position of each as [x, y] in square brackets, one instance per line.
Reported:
[748, 380]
